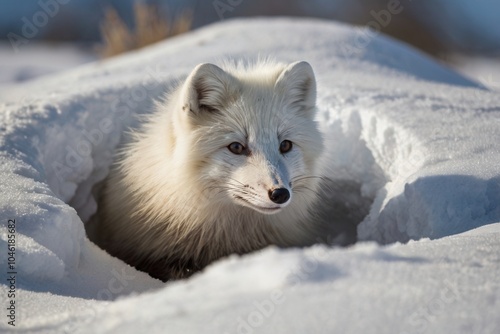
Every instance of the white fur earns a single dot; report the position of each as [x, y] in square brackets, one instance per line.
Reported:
[177, 198]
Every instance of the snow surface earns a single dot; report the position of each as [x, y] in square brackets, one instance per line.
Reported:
[420, 140]
[36, 59]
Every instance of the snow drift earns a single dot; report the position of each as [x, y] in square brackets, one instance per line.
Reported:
[418, 142]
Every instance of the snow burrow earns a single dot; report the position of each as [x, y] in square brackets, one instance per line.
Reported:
[390, 150]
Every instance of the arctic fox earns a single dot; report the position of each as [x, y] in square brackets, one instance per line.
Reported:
[228, 164]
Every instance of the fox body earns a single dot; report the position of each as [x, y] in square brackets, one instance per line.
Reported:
[227, 164]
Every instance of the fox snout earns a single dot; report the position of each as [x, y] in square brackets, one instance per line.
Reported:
[279, 195]
[261, 186]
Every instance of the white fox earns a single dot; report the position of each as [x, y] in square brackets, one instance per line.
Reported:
[228, 164]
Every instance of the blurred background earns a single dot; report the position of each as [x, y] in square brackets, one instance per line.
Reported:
[39, 37]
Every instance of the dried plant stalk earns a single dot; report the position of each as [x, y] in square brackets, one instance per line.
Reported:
[150, 27]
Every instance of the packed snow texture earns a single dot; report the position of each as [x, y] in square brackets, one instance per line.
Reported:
[419, 140]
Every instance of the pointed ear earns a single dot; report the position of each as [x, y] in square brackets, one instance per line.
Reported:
[298, 83]
[207, 89]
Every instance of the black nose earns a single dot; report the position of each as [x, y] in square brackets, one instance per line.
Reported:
[279, 196]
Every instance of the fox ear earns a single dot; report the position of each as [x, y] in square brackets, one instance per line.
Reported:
[207, 88]
[298, 83]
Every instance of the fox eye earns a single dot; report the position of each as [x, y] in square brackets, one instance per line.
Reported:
[236, 148]
[285, 146]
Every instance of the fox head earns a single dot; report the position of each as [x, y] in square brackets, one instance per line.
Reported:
[247, 136]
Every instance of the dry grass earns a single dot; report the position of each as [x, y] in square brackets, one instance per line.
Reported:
[150, 27]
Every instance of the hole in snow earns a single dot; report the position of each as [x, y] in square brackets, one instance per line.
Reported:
[363, 155]
[368, 160]
[354, 175]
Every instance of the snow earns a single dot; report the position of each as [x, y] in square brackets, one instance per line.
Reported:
[18, 66]
[419, 140]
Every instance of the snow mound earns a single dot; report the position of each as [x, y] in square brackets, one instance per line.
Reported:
[418, 141]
